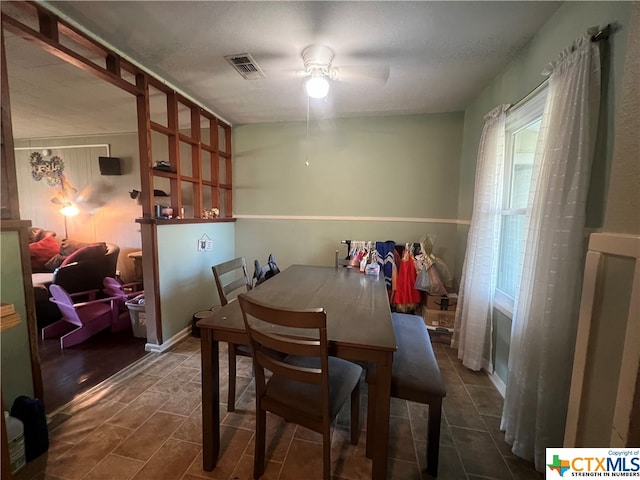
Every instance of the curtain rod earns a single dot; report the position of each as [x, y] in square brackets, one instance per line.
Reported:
[602, 34]
[532, 93]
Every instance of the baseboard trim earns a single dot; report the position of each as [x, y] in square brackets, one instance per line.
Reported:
[177, 338]
[498, 383]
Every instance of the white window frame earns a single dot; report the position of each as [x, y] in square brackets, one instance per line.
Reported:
[528, 111]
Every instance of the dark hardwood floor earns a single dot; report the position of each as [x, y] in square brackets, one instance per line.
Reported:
[72, 371]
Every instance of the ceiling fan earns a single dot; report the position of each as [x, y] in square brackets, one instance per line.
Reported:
[318, 68]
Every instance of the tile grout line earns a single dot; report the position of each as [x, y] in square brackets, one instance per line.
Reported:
[106, 422]
[413, 438]
[293, 435]
[446, 359]
[493, 441]
[453, 440]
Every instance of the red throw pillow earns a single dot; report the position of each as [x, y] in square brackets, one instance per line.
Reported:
[90, 252]
[42, 251]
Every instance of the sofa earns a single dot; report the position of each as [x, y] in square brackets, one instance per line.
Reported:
[75, 266]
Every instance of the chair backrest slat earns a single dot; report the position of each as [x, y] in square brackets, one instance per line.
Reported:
[63, 300]
[275, 331]
[226, 283]
[289, 344]
[294, 372]
[233, 286]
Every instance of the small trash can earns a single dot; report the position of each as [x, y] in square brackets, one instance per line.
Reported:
[195, 330]
[138, 316]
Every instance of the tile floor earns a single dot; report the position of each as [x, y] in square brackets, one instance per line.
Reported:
[145, 423]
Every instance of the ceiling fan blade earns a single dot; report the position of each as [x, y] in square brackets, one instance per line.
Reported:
[362, 74]
[297, 73]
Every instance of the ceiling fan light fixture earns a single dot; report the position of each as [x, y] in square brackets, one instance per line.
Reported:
[317, 86]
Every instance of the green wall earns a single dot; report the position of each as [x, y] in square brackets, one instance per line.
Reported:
[314, 242]
[378, 178]
[16, 361]
[625, 170]
[523, 74]
[185, 277]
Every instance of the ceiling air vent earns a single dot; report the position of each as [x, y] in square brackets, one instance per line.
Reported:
[245, 65]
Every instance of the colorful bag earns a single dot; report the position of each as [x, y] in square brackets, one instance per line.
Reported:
[422, 280]
[262, 274]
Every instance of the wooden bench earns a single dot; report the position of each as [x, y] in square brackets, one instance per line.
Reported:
[415, 376]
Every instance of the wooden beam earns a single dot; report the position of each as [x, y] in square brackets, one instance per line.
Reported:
[158, 127]
[113, 65]
[66, 54]
[30, 307]
[144, 144]
[228, 204]
[174, 149]
[196, 160]
[9, 180]
[48, 25]
[215, 165]
[77, 37]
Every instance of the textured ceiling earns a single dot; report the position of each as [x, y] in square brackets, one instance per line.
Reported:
[440, 56]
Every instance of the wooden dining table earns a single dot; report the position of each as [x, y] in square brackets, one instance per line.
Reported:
[359, 328]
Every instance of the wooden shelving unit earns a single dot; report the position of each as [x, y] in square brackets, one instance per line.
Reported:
[194, 142]
[198, 146]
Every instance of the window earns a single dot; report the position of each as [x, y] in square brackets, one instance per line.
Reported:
[522, 128]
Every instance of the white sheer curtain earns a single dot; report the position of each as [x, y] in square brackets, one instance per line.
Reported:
[472, 332]
[546, 313]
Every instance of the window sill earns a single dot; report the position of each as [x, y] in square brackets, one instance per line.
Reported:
[503, 303]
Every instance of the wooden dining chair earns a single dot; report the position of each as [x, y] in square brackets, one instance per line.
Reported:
[307, 386]
[232, 276]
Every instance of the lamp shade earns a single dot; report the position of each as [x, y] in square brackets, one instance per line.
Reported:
[69, 210]
[317, 86]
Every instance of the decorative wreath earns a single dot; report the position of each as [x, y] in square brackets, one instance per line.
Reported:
[51, 169]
